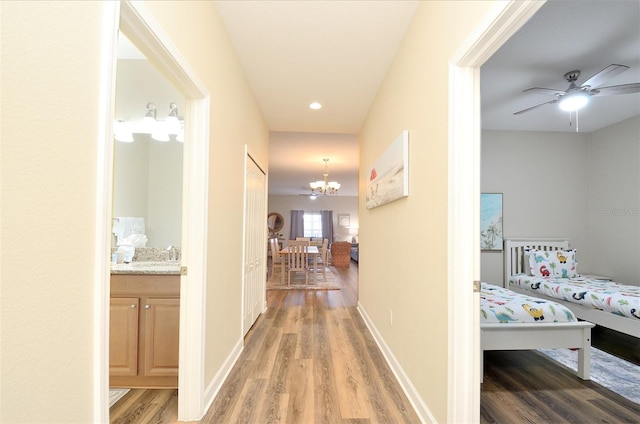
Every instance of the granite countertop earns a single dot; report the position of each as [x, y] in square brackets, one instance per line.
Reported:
[147, 267]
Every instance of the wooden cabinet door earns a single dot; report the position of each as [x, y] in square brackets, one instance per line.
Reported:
[123, 336]
[161, 337]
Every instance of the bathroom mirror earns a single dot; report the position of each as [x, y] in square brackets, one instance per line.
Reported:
[275, 222]
[147, 174]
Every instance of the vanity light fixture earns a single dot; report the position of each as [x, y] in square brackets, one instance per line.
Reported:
[160, 131]
[122, 132]
[149, 124]
[173, 122]
[180, 135]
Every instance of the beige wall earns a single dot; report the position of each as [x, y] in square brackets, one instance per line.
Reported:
[403, 259]
[50, 104]
[50, 123]
[197, 30]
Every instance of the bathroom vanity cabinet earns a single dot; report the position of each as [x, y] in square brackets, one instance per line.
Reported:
[144, 330]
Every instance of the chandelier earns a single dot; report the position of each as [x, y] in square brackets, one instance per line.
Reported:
[325, 186]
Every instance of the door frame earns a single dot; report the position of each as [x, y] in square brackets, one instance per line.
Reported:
[500, 23]
[135, 20]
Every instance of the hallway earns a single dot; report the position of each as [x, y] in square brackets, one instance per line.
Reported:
[308, 359]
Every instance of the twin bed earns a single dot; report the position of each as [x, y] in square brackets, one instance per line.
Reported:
[600, 301]
[548, 311]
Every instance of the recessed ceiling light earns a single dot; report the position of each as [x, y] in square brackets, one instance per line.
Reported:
[315, 106]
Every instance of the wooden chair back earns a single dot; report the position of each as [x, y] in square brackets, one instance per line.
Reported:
[324, 252]
[297, 259]
[275, 250]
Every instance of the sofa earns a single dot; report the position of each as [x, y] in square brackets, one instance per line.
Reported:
[354, 251]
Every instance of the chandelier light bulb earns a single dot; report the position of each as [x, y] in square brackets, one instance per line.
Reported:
[325, 186]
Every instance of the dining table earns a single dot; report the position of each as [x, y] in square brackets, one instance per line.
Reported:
[311, 250]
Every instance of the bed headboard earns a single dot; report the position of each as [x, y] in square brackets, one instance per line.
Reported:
[514, 253]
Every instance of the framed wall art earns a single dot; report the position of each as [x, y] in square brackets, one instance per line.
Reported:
[389, 175]
[491, 222]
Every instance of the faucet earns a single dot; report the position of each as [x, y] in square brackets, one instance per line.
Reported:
[173, 253]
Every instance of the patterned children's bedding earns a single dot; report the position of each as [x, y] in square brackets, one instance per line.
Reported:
[609, 296]
[500, 305]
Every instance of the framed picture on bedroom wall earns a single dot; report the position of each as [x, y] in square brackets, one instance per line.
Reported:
[491, 222]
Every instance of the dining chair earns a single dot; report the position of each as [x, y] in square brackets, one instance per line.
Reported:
[303, 239]
[297, 259]
[276, 258]
[323, 259]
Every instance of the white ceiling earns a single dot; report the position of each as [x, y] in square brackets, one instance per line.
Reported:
[333, 52]
[338, 52]
[563, 36]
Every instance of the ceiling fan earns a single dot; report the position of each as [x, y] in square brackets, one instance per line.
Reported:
[577, 96]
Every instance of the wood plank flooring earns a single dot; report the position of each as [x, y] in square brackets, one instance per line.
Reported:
[528, 387]
[310, 359]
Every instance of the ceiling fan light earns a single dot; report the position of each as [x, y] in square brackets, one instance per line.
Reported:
[573, 102]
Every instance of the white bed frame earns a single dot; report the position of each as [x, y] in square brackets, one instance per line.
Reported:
[529, 336]
[514, 264]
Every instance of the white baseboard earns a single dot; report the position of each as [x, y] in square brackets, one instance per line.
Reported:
[410, 391]
[215, 385]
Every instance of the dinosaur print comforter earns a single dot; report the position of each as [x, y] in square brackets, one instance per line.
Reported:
[499, 305]
[609, 296]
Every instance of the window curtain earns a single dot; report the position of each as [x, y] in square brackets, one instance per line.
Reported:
[327, 225]
[297, 224]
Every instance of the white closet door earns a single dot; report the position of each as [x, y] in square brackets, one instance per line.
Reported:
[255, 242]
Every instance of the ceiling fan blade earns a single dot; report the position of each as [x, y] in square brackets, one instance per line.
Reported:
[607, 73]
[535, 107]
[540, 90]
[617, 89]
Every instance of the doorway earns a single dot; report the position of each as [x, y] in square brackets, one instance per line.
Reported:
[502, 21]
[135, 21]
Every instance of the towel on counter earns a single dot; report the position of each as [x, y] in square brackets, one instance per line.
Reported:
[124, 226]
